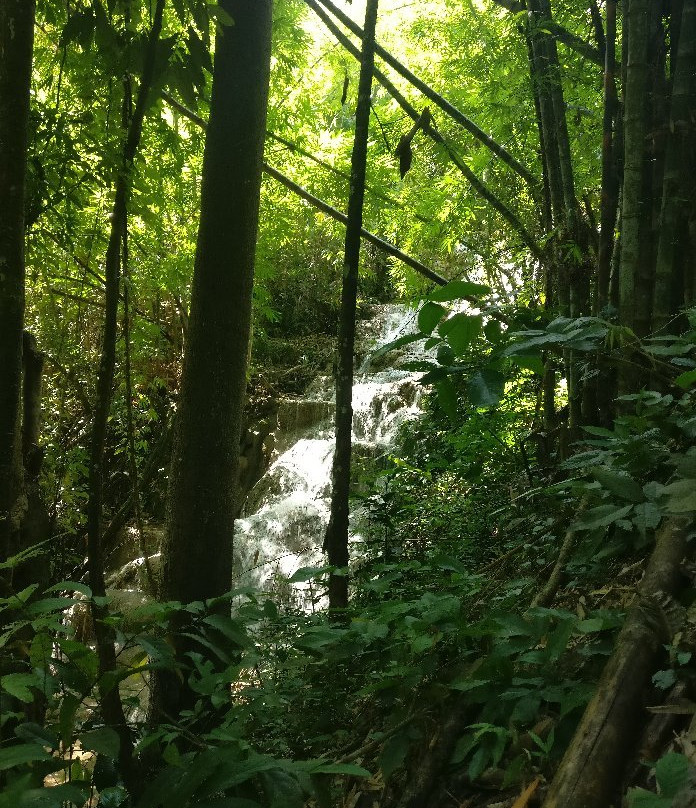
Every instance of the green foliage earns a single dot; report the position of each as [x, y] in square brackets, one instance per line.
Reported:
[673, 774]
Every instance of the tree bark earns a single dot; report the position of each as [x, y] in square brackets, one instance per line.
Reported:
[635, 132]
[197, 553]
[587, 776]
[336, 542]
[610, 186]
[669, 274]
[16, 50]
[111, 705]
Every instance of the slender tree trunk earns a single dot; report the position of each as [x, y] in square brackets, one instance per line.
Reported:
[336, 542]
[669, 274]
[610, 188]
[197, 553]
[112, 707]
[16, 48]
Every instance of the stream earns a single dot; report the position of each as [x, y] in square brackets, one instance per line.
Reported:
[286, 513]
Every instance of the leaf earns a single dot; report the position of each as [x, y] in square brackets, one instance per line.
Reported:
[486, 388]
[429, 316]
[112, 796]
[407, 339]
[646, 516]
[35, 733]
[682, 496]
[103, 741]
[460, 330]
[71, 586]
[686, 379]
[341, 768]
[493, 331]
[13, 756]
[307, 574]
[672, 773]
[393, 754]
[447, 397]
[445, 355]
[619, 483]
[18, 684]
[66, 719]
[529, 362]
[458, 290]
[640, 798]
[524, 346]
[229, 628]
[56, 796]
[601, 516]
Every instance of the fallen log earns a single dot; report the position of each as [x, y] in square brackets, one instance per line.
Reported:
[590, 774]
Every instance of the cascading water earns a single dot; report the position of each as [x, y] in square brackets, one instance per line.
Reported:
[288, 509]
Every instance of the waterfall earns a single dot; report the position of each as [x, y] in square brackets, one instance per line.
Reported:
[286, 513]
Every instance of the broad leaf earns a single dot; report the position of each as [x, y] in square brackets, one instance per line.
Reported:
[103, 741]
[601, 516]
[460, 330]
[429, 316]
[307, 574]
[459, 290]
[619, 483]
[682, 496]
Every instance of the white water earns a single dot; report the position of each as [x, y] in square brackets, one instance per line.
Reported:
[288, 509]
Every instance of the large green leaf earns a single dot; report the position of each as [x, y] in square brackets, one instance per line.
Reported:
[682, 496]
[429, 316]
[103, 741]
[619, 483]
[459, 290]
[13, 756]
[601, 516]
[447, 396]
[460, 330]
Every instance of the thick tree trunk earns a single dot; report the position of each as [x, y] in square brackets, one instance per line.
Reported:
[669, 271]
[16, 48]
[336, 542]
[635, 133]
[603, 743]
[197, 555]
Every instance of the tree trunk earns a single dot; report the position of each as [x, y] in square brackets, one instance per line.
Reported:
[610, 187]
[336, 541]
[669, 275]
[16, 48]
[588, 774]
[197, 553]
[635, 132]
[111, 705]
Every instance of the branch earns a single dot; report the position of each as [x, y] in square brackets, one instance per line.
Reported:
[383, 245]
[435, 135]
[569, 39]
[436, 98]
[195, 118]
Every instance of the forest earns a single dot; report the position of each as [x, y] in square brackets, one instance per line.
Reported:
[347, 384]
